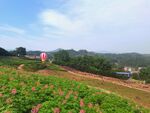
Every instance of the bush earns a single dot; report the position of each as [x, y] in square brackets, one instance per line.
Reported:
[136, 76]
[96, 65]
[145, 74]
[34, 66]
[92, 64]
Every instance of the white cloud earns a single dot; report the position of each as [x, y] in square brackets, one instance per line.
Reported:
[56, 19]
[87, 16]
[8, 28]
[61, 23]
[92, 24]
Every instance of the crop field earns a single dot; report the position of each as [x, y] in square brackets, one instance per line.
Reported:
[138, 96]
[30, 92]
[24, 92]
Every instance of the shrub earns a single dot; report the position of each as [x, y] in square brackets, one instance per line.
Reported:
[34, 66]
[145, 74]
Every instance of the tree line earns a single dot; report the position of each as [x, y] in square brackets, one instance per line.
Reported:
[125, 59]
[144, 75]
[92, 64]
[95, 64]
[20, 51]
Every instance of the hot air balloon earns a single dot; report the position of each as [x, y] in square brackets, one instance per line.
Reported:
[43, 57]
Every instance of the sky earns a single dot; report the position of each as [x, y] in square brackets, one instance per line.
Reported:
[116, 26]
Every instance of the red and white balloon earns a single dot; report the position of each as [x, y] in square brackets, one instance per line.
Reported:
[43, 56]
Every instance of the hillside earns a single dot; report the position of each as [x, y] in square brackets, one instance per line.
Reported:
[132, 90]
[129, 59]
[3, 52]
[25, 88]
[124, 59]
[23, 92]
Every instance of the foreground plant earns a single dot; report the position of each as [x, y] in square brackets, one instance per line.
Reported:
[32, 93]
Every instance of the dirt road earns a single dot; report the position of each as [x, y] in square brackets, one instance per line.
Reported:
[126, 83]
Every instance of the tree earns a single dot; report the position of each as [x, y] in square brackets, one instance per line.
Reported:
[3, 52]
[61, 57]
[92, 64]
[145, 74]
[21, 51]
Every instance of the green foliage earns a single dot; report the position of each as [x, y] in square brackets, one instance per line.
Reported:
[15, 61]
[29, 65]
[34, 66]
[91, 64]
[21, 51]
[136, 76]
[145, 74]
[55, 67]
[129, 59]
[126, 59]
[61, 57]
[23, 92]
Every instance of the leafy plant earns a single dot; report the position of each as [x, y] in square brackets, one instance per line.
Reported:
[25, 92]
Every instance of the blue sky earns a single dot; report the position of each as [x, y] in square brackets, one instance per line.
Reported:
[96, 25]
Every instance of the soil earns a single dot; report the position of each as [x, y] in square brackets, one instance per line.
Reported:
[20, 67]
[127, 83]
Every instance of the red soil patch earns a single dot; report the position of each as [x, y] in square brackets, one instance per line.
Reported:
[46, 72]
[127, 83]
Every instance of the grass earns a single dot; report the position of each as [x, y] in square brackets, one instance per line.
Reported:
[54, 67]
[29, 65]
[15, 61]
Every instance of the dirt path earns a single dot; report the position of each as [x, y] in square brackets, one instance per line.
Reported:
[20, 67]
[126, 83]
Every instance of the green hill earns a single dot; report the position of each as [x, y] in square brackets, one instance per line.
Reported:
[25, 92]
[3, 52]
[124, 59]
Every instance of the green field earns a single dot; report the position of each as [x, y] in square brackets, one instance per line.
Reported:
[29, 65]
[138, 96]
[25, 92]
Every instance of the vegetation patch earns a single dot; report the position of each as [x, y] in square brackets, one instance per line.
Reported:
[34, 66]
[27, 92]
[15, 61]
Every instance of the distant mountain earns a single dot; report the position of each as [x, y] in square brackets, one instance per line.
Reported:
[59, 49]
[129, 59]
[125, 59]
[74, 53]
[37, 53]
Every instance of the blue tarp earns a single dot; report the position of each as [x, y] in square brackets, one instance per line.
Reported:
[124, 73]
